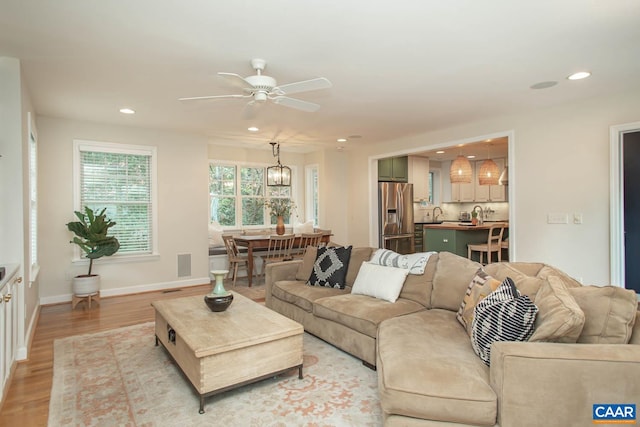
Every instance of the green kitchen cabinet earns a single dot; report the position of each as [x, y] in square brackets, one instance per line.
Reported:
[394, 169]
[454, 241]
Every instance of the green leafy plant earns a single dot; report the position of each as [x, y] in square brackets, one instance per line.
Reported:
[280, 206]
[91, 235]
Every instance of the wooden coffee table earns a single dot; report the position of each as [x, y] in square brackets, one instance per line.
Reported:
[220, 351]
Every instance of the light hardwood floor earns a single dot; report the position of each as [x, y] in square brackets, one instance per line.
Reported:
[27, 401]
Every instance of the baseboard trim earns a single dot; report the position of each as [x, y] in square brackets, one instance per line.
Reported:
[57, 299]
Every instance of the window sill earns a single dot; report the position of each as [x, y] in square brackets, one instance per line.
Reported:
[118, 259]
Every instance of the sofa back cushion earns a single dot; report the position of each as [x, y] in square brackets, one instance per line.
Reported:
[522, 274]
[418, 287]
[610, 313]
[560, 319]
[358, 256]
[451, 279]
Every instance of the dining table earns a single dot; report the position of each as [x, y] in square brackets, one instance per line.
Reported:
[261, 242]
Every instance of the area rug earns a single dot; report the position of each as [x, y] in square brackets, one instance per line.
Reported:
[120, 378]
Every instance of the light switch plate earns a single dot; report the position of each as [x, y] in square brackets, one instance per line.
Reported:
[577, 218]
[557, 218]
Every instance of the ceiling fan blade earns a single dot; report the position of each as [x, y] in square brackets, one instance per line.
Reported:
[303, 86]
[298, 104]
[236, 80]
[202, 98]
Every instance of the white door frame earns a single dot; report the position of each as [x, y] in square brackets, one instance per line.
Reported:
[616, 211]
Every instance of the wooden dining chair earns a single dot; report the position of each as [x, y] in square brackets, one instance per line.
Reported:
[236, 259]
[306, 240]
[493, 245]
[279, 250]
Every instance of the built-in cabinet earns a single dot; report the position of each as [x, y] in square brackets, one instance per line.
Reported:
[474, 192]
[8, 326]
[394, 169]
[419, 177]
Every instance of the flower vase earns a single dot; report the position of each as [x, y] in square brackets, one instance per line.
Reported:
[219, 298]
[280, 226]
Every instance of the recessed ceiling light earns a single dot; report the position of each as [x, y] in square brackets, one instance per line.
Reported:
[253, 129]
[579, 75]
[440, 152]
[127, 111]
[342, 139]
[471, 157]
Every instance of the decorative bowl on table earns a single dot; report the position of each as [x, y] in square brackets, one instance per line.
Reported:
[217, 302]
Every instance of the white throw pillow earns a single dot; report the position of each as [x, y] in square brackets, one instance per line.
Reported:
[415, 263]
[215, 234]
[379, 281]
[299, 227]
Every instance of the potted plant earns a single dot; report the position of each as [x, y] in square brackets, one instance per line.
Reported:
[280, 207]
[91, 236]
[474, 218]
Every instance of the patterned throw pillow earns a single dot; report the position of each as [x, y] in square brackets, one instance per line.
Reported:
[504, 315]
[330, 268]
[415, 263]
[481, 285]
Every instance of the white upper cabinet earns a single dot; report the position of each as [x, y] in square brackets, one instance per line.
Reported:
[419, 177]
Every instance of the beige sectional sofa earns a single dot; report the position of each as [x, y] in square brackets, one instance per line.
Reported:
[428, 372]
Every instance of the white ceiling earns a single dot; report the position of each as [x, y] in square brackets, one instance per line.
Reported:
[397, 68]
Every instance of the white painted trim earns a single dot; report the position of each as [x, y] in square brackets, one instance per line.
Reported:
[22, 352]
[57, 299]
[616, 213]
[373, 179]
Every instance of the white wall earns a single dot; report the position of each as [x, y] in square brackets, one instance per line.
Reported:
[182, 209]
[560, 163]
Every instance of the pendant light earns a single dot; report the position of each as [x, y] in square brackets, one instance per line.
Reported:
[460, 172]
[489, 172]
[278, 175]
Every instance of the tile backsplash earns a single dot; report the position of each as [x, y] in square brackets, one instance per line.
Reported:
[451, 211]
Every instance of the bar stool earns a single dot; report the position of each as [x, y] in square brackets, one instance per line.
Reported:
[494, 244]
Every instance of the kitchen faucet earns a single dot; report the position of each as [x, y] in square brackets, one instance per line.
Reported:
[481, 220]
[433, 214]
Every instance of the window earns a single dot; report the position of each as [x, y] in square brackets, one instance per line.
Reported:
[237, 194]
[33, 195]
[311, 194]
[120, 178]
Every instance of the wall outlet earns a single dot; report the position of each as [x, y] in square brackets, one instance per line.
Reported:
[557, 218]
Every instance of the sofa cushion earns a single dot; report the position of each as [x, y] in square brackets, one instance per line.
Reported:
[297, 293]
[451, 280]
[609, 313]
[330, 267]
[360, 312]
[568, 281]
[504, 315]
[437, 377]
[415, 263]
[418, 287]
[481, 285]
[520, 274]
[560, 318]
[379, 281]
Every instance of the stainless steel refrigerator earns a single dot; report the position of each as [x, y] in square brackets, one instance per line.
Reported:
[395, 202]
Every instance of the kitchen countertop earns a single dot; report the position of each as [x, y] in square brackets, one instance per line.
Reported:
[460, 226]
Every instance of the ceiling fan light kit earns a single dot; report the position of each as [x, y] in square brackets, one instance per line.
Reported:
[261, 88]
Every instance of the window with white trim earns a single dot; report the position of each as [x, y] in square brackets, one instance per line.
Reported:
[237, 193]
[120, 178]
[33, 194]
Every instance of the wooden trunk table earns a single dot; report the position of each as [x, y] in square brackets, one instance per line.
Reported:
[220, 351]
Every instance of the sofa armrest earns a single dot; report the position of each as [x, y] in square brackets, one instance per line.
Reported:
[274, 272]
[558, 384]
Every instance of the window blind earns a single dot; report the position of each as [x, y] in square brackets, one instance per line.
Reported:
[121, 183]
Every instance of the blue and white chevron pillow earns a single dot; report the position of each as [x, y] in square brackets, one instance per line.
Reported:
[504, 315]
[415, 263]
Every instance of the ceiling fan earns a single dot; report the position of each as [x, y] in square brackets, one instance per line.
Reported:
[261, 88]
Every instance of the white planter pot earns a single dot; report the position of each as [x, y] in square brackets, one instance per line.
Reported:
[86, 285]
